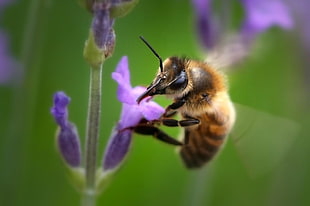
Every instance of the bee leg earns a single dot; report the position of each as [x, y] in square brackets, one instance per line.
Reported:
[176, 105]
[169, 113]
[157, 133]
[182, 123]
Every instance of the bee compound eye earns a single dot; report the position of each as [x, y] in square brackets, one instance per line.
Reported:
[180, 82]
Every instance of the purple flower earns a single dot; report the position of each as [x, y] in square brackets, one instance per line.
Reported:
[8, 65]
[67, 135]
[5, 2]
[9, 68]
[301, 17]
[132, 113]
[263, 14]
[260, 15]
[206, 24]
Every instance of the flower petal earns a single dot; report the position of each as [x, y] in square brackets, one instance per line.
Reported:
[130, 116]
[59, 110]
[123, 69]
[151, 110]
[122, 77]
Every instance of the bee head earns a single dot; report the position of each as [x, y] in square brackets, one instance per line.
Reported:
[171, 77]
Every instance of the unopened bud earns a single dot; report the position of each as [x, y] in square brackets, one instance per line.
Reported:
[67, 136]
[117, 149]
[69, 145]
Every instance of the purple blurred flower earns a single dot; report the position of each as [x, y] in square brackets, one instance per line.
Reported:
[300, 10]
[132, 113]
[5, 2]
[206, 24]
[8, 65]
[67, 136]
[260, 15]
[263, 14]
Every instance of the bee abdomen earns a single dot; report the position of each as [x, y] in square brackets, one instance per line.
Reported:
[201, 147]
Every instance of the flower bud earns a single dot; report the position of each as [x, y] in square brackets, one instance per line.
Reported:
[117, 149]
[69, 145]
[102, 24]
[101, 41]
[67, 136]
[59, 110]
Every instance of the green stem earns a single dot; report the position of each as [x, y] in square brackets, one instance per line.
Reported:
[92, 134]
[89, 199]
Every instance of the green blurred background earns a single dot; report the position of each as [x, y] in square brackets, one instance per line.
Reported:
[47, 37]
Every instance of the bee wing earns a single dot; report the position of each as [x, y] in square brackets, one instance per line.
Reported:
[230, 52]
[262, 140]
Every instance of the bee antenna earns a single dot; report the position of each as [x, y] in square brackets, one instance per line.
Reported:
[154, 52]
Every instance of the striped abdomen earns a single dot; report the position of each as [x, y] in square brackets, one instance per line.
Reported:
[202, 143]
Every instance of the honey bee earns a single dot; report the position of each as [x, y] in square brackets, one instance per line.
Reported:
[200, 96]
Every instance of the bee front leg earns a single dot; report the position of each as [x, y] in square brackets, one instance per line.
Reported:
[170, 110]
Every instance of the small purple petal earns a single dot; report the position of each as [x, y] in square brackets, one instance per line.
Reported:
[69, 145]
[123, 90]
[137, 91]
[263, 14]
[130, 116]
[117, 149]
[123, 69]
[151, 110]
[59, 110]
[122, 77]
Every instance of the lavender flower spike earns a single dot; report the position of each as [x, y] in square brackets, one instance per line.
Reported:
[206, 24]
[263, 14]
[102, 23]
[67, 135]
[132, 113]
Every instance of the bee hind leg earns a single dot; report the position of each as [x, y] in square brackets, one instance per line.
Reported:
[157, 133]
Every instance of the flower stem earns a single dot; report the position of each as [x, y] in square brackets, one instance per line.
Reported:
[89, 199]
[92, 134]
